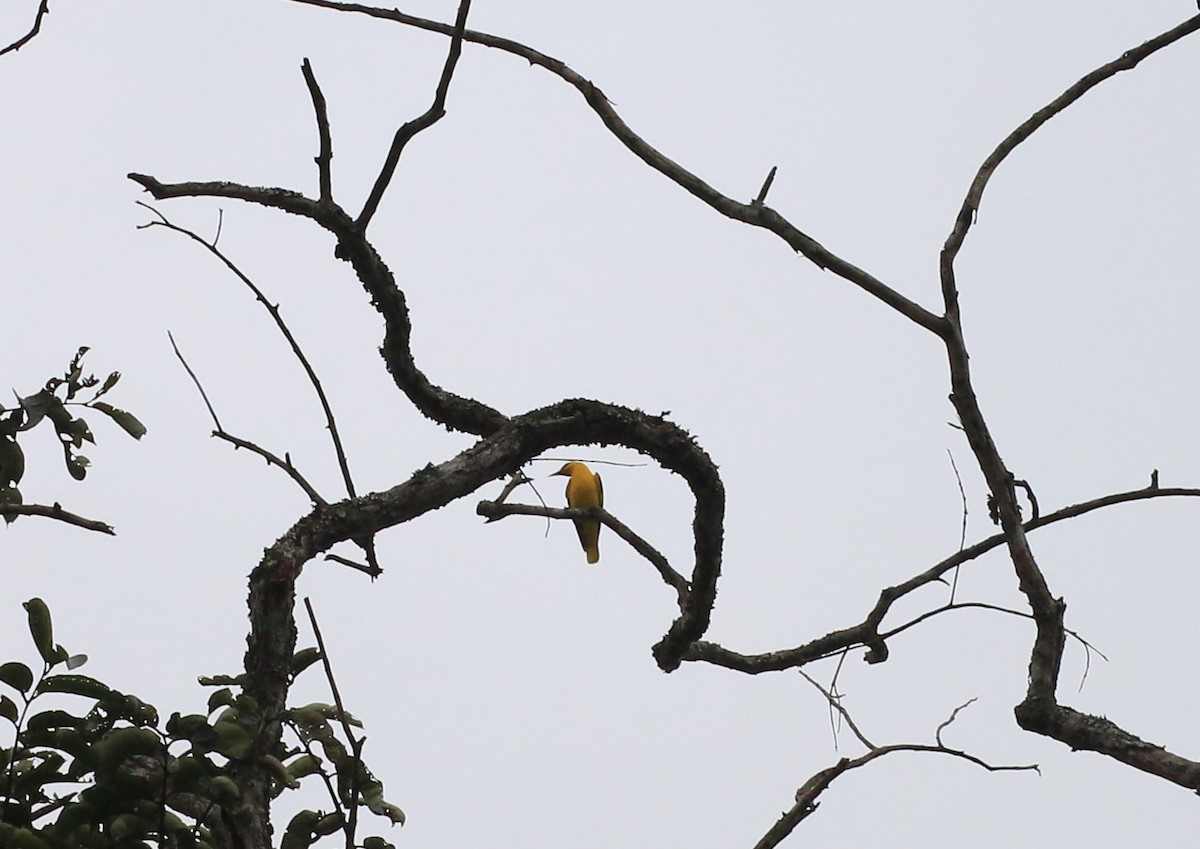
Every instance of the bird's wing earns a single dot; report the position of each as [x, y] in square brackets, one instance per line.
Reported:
[599, 488]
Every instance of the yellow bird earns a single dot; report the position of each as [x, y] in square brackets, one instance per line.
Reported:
[584, 489]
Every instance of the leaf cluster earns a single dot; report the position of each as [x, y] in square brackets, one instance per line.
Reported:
[50, 404]
[99, 773]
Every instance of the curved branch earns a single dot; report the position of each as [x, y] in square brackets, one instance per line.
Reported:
[43, 10]
[806, 797]
[446, 408]
[970, 206]
[754, 213]
[866, 633]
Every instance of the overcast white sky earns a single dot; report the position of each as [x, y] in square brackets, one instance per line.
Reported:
[508, 689]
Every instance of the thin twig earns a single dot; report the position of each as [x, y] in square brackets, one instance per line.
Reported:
[220, 432]
[937, 734]
[273, 310]
[325, 156]
[356, 743]
[867, 631]
[43, 10]
[272, 459]
[970, 205]
[759, 215]
[835, 703]
[196, 380]
[766, 187]
[371, 569]
[962, 537]
[806, 797]
[56, 512]
[423, 122]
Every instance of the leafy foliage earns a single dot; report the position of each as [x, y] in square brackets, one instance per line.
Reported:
[101, 774]
[50, 404]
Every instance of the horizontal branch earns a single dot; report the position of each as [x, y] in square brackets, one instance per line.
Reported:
[56, 512]
[866, 633]
[495, 510]
[806, 797]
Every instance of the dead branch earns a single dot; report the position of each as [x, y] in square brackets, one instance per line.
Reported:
[54, 511]
[755, 214]
[496, 510]
[277, 317]
[43, 10]
[866, 633]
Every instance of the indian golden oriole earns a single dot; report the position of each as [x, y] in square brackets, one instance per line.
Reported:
[584, 489]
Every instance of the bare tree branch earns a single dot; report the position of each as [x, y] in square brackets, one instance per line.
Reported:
[325, 155]
[970, 206]
[867, 632]
[756, 214]
[835, 703]
[1039, 711]
[56, 512]
[43, 10]
[273, 310]
[431, 116]
[496, 510]
[806, 796]
[237, 442]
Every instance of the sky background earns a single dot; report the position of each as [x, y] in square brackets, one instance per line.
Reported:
[508, 689]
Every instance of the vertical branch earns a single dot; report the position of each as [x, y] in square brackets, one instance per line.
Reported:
[431, 116]
[325, 155]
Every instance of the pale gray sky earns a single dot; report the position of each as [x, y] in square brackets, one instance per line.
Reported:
[508, 689]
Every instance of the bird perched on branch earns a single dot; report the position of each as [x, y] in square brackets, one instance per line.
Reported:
[585, 490]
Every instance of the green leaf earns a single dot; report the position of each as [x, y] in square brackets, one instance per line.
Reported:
[220, 698]
[77, 465]
[37, 406]
[13, 837]
[372, 794]
[303, 659]
[121, 744]
[10, 495]
[232, 739]
[76, 660]
[299, 834]
[187, 727]
[12, 461]
[128, 421]
[78, 685]
[109, 383]
[329, 823]
[8, 709]
[377, 843]
[16, 675]
[221, 680]
[42, 630]
[277, 769]
[224, 790]
[128, 825]
[303, 765]
[49, 719]
[329, 712]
